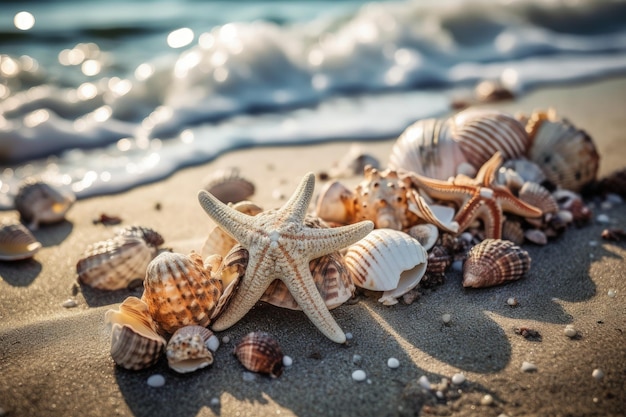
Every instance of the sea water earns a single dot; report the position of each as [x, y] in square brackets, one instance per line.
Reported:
[104, 95]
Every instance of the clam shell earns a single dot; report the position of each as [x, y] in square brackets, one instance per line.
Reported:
[179, 291]
[218, 241]
[260, 352]
[335, 203]
[135, 343]
[493, 262]
[17, 242]
[230, 272]
[188, 349]
[387, 260]
[566, 154]
[228, 186]
[41, 203]
[512, 230]
[426, 148]
[150, 236]
[538, 196]
[114, 263]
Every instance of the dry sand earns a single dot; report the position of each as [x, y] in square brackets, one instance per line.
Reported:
[55, 361]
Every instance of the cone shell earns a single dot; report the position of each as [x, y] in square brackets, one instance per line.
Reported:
[17, 242]
[426, 148]
[565, 154]
[218, 241]
[135, 344]
[387, 260]
[493, 262]
[41, 203]
[335, 203]
[114, 263]
[188, 349]
[179, 291]
[260, 352]
[150, 236]
[229, 186]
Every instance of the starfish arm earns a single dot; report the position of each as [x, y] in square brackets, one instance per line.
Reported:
[296, 207]
[230, 220]
[514, 205]
[492, 217]
[325, 241]
[442, 190]
[487, 173]
[420, 208]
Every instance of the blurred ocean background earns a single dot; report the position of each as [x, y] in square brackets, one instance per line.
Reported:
[104, 95]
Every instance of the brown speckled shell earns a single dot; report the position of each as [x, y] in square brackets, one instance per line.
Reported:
[40, 203]
[16, 242]
[188, 350]
[260, 352]
[493, 262]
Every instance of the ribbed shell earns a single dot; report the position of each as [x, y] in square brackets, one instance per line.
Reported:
[188, 349]
[387, 260]
[114, 263]
[17, 242]
[512, 230]
[439, 259]
[230, 272]
[179, 291]
[135, 344]
[538, 196]
[218, 241]
[427, 148]
[40, 203]
[335, 203]
[493, 262]
[228, 186]
[260, 352]
[150, 236]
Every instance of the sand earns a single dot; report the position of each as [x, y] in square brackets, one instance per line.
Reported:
[55, 361]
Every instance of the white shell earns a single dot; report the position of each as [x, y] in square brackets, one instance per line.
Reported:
[188, 349]
[387, 260]
[16, 242]
[335, 203]
[426, 234]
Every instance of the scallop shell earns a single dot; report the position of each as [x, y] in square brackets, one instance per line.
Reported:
[179, 291]
[566, 154]
[135, 343]
[218, 241]
[228, 186]
[387, 260]
[114, 263]
[335, 203]
[41, 203]
[538, 196]
[17, 242]
[260, 352]
[150, 236]
[493, 262]
[512, 230]
[188, 349]
[427, 148]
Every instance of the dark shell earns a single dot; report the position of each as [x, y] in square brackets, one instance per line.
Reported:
[260, 352]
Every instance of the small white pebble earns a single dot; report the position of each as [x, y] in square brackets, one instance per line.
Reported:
[287, 361]
[528, 367]
[248, 376]
[440, 395]
[69, 303]
[278, 194]
[486, 400]
[215, 401]
[458, 379]
[359, 375]
[570, 331]
[598, 374]
[593, 243]
[446, 318]
[213, 343]
[225, 339]
[603, 219]
[503, 415]
[356, 359]
[156, 380]
[512, 301]
[457, 266]
[466, 236]
[606, 205]
[614, 198]
[611, 293]
[424, 382]
[349, 336]
[393, 363]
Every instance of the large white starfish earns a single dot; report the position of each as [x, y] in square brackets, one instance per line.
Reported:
[281, 247]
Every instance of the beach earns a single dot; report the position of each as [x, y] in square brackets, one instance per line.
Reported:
[55, 361]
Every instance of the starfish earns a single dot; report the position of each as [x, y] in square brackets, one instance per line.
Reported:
[478, 198]
[281, 247]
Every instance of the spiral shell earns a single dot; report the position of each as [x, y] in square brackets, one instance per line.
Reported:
[41, 203]
[189, 349]
[260, 352]
[229, 186]
[387, 260]
[135, 343]
[114, 263]
[150, 236]
[16, 242]
[493, 262]
[179, 291]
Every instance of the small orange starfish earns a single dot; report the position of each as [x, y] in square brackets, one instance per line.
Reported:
[478, 198]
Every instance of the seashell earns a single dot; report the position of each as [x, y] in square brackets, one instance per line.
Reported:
[426, 234]
[573, 202]
[481, 133]
[493, 262]
[41, 203]
[114, 263]
[231, 269]
[17, 242]
[150, 236]
[439, 259]
[565, 154]
[353, 163]
[510, 179]
[614, 183]
[179, 291]
[188, 349]
[228, 186]
[526, 169]
[218, 241]
[427, 148]
[260, 352]
[135, 343]
[335, 203]
[387, 260]
[492, 90]
[512, 230]
[538, 196]
[536, 236]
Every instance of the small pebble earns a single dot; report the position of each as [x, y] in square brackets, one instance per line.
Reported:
[612, 293]
[446, 318]
[512, 301]
[598, 374]
[606, 205]
[213, 343]
[225, 339]
[440, 395]
[503, 415]
[349, 336]
[457, 266]
[248, 376]
[458, 379]
[393, 363]
[486, 400]
[528, 367]
[570, 331]
[603, 219]
[215, 401]
[359, 375]
[156, 380]
[593, 243]
[614, 198]
[287, 361]
[424, 382]
[356, 359]
[278, 194]
[69, 303]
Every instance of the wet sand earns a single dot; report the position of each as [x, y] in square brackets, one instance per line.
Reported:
[55, 361]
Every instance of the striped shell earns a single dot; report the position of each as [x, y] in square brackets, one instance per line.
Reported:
[41, 203]
[260, 352]
[512, 230]
[17, 242]
[387, 260]
[493, 262]
[135, 344]
[538, 196]
[189, 349]
[150, 236]
[218, 241]
[114, 263]
[179, 291]
[228, 186]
